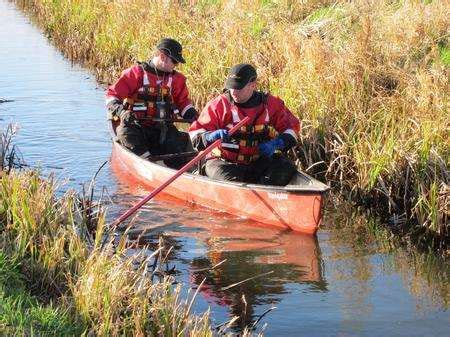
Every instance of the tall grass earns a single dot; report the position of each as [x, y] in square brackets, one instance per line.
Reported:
[61, 272]
[96, 289]
[369, 79]
[21, 313]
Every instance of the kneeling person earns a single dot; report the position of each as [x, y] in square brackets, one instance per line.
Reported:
[250, 155]
[148, 91]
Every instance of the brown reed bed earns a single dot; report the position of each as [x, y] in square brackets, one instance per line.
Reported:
[369, 79]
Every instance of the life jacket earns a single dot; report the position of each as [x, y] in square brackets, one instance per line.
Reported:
[152, 100]
[243, 145]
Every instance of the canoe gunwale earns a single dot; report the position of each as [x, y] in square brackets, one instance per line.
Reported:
[320, 187]
[231, 184]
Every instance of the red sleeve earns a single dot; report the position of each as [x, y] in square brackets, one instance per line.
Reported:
[282, 119]
[209, 119]
[127, 84]
[181, 94]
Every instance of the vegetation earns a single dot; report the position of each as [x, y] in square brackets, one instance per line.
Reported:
[373, 98]
[58, 276]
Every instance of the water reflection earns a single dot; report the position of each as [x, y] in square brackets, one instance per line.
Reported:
[242, 250]
[234, 250]
[250, 252]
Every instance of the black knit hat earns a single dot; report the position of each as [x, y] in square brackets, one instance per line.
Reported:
[240, 75]
[171, 48]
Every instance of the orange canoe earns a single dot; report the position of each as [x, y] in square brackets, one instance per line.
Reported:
[297, 206]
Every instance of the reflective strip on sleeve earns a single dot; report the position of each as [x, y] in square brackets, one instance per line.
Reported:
[291, 132]
[145, 79]
[139, 108]
[230, 145]
[236, 118]
[186, 109]
[145, 155]
[194, 133]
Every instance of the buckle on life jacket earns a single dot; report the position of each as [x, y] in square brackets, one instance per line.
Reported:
[248, 143]
[247, 159]
[139, 107]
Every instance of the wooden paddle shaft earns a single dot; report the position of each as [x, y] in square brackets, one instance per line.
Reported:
[186, 167]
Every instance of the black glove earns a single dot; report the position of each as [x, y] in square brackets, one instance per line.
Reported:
[116, 108]
[127, 117]
[190, 114]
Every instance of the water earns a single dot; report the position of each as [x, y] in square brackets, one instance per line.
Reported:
[325, 286]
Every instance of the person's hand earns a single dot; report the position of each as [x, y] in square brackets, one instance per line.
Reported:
[127, 117]
[214, 135]
[267, 149]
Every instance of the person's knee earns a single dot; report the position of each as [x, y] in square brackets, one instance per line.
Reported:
[132, 138]
[221, 170]
[279, 173]
[176, 141]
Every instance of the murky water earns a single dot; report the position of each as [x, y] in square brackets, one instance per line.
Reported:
[324, 286]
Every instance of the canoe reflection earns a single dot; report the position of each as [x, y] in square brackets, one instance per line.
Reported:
[250, 249]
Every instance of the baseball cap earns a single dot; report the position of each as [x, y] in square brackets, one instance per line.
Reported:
[240, 75]
[171, 48]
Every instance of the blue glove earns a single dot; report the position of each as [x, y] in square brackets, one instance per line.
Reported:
[214, 135]
[267, 149]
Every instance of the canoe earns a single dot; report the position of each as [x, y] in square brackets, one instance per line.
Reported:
[296, 206]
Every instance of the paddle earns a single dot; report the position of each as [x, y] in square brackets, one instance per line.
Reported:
[186, 167]
[173, 155]
[168, 120]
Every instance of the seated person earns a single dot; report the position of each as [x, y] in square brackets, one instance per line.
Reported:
[249, 155]
[152, 90]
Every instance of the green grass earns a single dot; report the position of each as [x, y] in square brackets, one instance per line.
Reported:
[444, 52]
[21, 313]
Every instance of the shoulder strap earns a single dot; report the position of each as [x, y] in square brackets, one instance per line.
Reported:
[264, 108]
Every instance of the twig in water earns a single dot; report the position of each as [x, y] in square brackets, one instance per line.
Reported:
[261, 316]
[245, 304]
[243, 281]
[209, 268]
[227, 324]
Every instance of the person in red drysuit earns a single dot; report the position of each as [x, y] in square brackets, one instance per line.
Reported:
[146, 97]
[252, 154]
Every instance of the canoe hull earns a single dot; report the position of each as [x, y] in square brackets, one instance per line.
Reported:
[299, 211]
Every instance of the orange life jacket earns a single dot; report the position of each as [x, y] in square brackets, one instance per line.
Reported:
[243, 146]
[152, 100]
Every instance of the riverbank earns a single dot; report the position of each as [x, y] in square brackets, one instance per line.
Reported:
[373, 99]
[59, 274]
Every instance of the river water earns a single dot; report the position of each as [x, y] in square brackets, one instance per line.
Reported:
[329, 285]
